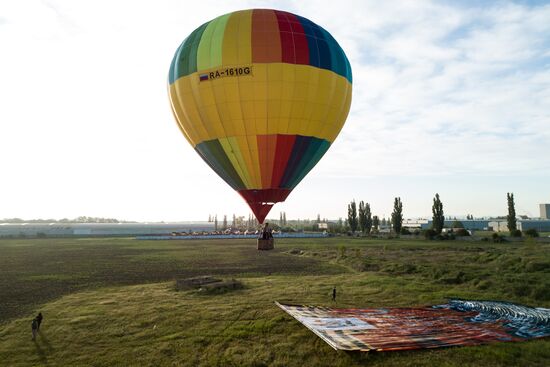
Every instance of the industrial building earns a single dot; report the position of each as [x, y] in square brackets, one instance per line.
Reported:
[497, 225]
[471, 224]
[544, 211]
[541, 225]
[99, 229]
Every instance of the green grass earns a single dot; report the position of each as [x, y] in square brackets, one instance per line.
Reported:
[95, 317]
[37, 270]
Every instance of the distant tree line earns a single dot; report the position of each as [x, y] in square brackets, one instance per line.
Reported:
[363, 219]
[360, 218]
[367, 223]
[81, 219]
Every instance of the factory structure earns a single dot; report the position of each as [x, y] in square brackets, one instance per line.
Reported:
[496, 225]
[541, 224]
[57, 229]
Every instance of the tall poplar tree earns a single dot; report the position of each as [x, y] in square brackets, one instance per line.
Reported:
[397, 215]
[368, 214]
[438, 218]
[375, 222]
[362, 217]
[365, 217]
[511, 218]
[352, 216]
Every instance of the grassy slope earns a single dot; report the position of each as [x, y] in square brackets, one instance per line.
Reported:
[151, 324]
[37, 270]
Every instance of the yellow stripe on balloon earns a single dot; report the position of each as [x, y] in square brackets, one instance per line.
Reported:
[185, 134]
[236, 48]
[232, 150]
[298, 100]
[177, 93]
[251, 163]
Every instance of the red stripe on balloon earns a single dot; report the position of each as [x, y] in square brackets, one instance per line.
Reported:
[301, 48]
[282, 154]
[287, 41]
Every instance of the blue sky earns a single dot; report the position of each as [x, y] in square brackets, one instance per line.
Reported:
[449, 97]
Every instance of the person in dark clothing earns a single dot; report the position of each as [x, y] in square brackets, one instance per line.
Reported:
[34, 327]
[334, 294]
[39, 320]
[266, 232]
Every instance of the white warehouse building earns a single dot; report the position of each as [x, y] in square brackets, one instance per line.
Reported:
[99, 229]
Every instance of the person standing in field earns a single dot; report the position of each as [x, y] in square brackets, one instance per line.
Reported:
[334, 294]
[39, 320]
[34, 327]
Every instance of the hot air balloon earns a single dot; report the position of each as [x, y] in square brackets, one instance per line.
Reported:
[261, 95]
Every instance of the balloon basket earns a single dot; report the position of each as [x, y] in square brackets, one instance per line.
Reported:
[265, 244]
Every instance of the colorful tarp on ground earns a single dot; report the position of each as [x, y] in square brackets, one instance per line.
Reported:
[459, 322]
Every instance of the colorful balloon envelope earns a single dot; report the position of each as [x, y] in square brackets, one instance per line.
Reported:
[261, 95]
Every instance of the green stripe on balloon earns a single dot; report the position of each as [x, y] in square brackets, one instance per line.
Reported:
[209, 54]
[305, 148]
[316, 155]
[185, 60]
[212, 151]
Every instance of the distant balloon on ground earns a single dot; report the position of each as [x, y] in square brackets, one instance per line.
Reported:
[261, 95]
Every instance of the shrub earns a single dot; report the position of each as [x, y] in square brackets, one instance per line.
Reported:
[515, 233]
[445, 236]
[405, 231]
[342, 251]
[521, 290]
[400, 268]
[541, 292]
[484, 284]
[462, 232]
[429, 234]
[457, 224]
[456, 278]
[369, 266]
[534, 266]
[497, 238]
[531, 232]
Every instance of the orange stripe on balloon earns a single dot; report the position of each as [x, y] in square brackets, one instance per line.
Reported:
[267, 145]
[266, 42]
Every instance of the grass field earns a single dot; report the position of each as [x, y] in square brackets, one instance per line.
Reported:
[112, 302]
